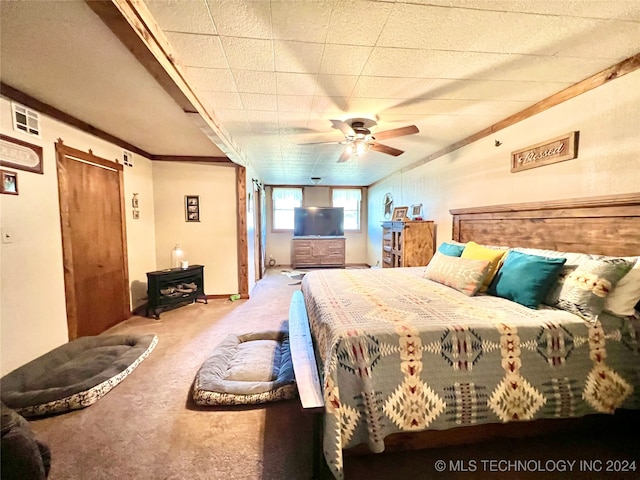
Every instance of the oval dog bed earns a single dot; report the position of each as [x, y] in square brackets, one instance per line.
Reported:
[74, 375]
[247, 369]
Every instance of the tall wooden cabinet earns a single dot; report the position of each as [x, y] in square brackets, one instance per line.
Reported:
[407, 244]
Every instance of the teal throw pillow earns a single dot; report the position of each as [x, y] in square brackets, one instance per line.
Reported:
[451, 249]
[525, 279]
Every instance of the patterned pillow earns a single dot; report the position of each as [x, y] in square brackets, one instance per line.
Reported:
[626, 295]
[474, 251]
[585, 289]
[463, 274]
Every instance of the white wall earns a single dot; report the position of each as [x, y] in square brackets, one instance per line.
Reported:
[212, 242]
[279, 243]
[608, 119]
[33, 309]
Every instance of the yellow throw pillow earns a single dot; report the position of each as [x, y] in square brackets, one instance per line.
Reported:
[474, 251]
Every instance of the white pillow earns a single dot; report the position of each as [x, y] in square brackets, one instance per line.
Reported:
[624, 297]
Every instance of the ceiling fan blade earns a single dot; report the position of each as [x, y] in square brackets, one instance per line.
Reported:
[378, 147]
[346, 155]
[344, 127]
[320, 143]
[396, 132]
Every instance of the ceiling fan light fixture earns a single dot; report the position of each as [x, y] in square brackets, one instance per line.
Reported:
[361, 147]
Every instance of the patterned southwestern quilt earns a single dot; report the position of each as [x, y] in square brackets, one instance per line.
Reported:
[401, 353]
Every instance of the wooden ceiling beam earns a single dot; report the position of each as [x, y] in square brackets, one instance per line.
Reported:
[188, 158]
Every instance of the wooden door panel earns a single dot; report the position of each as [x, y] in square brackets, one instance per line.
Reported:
[99, 303]
[94, 245]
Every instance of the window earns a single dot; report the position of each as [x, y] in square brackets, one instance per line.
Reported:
[349, 199]
[284, 201]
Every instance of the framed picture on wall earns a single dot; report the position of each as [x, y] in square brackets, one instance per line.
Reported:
[192, 208]
[9, 182]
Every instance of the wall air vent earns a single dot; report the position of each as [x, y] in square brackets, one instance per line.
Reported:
[127, 158]
[25, 120]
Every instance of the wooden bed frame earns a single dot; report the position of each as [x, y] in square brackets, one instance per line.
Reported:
[605, 225]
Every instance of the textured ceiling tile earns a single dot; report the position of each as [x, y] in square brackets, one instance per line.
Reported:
[263, 117]
[296, 83]
[403, 62]
[598, 39]
[256, 101]
[370, 106]
[298, 57]
[248, 53]
[295, 103]
[212, 79]
[348, 18]
[552, 69]
[494, 89]
[421, 26]
[538, 34]
[239, 18]
[344, 59]
[623, 9]
[336, 85]
[221, 100]
[232, 115]
[391, 87]
[250, 81]
[300, 21]
[333, 105]
[191, 17]
[198, 50]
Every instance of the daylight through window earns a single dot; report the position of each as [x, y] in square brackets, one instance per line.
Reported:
[349, 199]
[284, 201]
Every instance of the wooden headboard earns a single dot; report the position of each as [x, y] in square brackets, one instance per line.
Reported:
[606, 225]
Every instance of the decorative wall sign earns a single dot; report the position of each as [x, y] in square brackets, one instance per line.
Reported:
[18, 154]
[8, 182]
[192, 208]
[387, 204]
[555, 150]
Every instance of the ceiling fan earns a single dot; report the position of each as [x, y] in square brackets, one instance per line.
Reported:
[358, 138]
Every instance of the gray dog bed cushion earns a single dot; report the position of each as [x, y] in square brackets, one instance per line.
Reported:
[247, 369]
[74, 375]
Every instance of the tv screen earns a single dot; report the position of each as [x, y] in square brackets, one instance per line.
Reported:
[318, 221]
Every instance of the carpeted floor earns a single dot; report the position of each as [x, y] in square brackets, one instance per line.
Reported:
[148, 428]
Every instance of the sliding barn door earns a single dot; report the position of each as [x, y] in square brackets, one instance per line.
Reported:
[93, 241]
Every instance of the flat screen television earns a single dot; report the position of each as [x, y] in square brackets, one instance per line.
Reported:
[318, 221]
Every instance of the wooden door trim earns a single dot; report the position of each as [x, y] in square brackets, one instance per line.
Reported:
[63, 151]
[243, 247]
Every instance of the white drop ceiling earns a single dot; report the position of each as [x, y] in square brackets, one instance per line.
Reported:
[273, 74]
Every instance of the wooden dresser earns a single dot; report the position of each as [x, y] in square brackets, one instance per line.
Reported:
[407, 244]
[318, 252]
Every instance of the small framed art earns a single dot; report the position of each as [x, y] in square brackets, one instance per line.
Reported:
[9, 183]
[416, 211]
[399, 213]
[192, 208]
